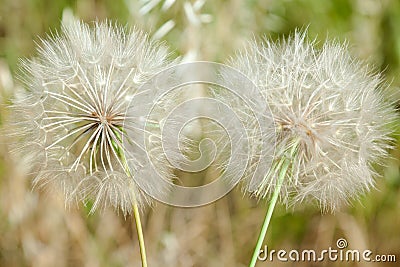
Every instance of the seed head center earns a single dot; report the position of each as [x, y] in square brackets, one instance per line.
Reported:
[103, 118]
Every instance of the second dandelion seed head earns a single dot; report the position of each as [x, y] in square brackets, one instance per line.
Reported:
[331, 120]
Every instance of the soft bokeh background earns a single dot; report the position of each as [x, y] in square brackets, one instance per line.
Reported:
[36, 229]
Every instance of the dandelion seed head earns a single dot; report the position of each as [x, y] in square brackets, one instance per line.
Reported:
[330, 117]
[68, 123]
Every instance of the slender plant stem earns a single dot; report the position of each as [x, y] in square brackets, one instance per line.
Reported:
[136, 212]
[268, 216]
[140, 234]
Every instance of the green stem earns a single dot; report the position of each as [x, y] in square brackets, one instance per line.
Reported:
[136, 214]
[268, 216]
[120, 152]
[140, 234]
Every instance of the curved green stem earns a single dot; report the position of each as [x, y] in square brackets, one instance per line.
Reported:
[270, 211]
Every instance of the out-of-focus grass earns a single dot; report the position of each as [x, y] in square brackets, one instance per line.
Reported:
[36, 229]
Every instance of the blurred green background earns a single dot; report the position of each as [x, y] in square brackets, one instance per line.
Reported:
[37, 230]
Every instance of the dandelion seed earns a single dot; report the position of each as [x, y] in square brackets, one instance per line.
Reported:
[332, 123]
[331, 120]
[69, 121]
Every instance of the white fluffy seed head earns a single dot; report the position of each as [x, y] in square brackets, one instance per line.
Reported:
[69, 122]
[332, 122]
